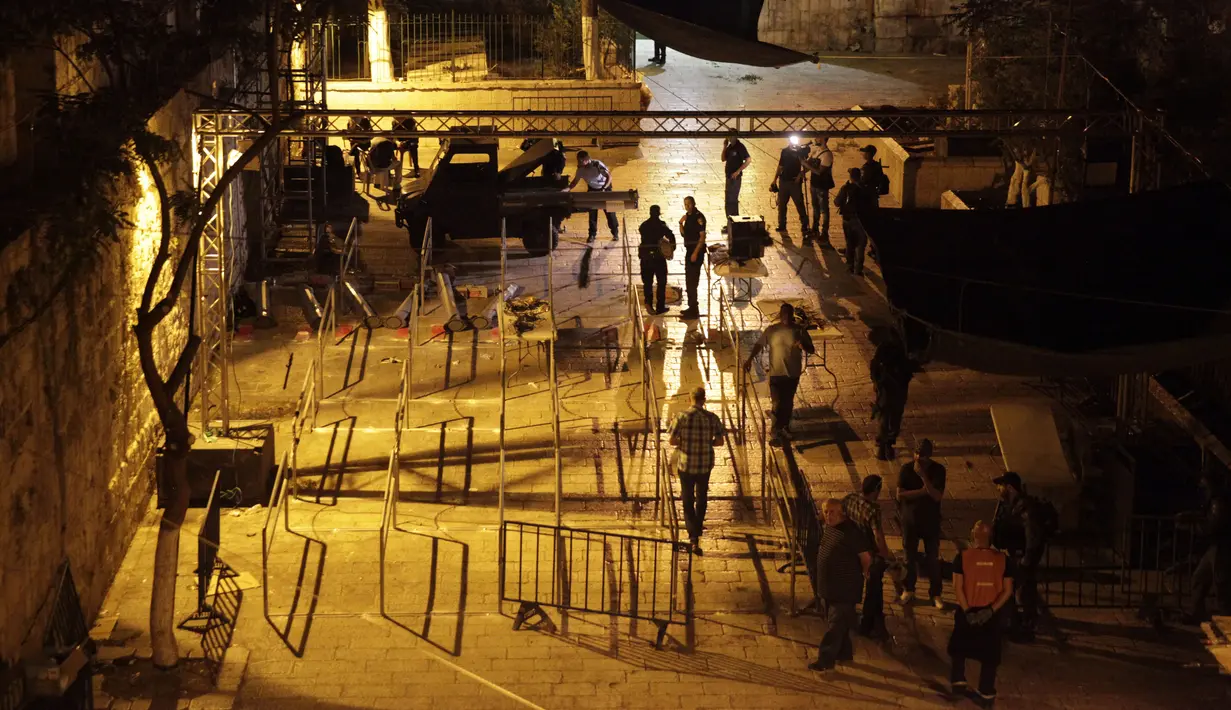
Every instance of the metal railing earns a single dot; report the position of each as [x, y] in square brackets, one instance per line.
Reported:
[305, 417]
[459, 47]
[350, 248]
[555, 566]
[66, 627]
[1149, 567]
[209, 538]
[278, 496]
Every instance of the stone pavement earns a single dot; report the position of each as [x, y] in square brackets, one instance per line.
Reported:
[311, 619]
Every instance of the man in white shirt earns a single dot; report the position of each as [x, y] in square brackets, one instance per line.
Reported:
[787, 342]
[598, 179]
[820, 181]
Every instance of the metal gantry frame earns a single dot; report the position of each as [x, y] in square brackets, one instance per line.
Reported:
[216, 131]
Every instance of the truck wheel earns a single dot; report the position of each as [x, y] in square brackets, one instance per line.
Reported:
[535, 241]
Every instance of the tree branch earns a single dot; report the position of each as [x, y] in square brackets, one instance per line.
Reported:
[184, 364]
[164, 243]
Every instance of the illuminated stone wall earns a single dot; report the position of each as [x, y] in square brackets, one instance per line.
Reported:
[77, 427]
[884, 26]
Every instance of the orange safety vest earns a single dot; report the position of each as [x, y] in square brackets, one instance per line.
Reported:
[982, 575]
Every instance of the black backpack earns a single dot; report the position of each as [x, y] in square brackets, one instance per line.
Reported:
[881, 182]
[1044, 513]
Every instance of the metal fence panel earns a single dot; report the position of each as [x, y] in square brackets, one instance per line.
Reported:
[591, 571]
[458, 47]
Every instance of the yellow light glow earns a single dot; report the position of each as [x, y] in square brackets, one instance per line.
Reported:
[233, 156]
[146, 234]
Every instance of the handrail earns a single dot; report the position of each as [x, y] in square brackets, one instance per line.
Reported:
[327, 329]
[277, 500]
[388, 518]
[305, 413]
[350, 248]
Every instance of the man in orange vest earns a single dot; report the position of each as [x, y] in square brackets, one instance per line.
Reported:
[983, 580]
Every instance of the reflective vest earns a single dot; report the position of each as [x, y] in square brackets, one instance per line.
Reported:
[982, 575]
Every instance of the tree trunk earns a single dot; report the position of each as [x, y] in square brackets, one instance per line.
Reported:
[589, 38]
[166, 560]
[379, 59]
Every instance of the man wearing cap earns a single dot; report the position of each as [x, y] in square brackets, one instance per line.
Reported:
[654, 232]
[1016, 530]
[695, 434]
[873, 178]
[851, 198]
[983, 583]
[921, 486]
[820, 182]
[789, 184]
[864, 510]
[735, 159]
[692, 228]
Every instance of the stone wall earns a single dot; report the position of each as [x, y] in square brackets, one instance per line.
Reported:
[885, 26]
[77, 426]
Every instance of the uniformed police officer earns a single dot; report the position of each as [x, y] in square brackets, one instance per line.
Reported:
[692, 227]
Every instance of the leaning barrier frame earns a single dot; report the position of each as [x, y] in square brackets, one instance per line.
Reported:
[552, 584]
[209, 542]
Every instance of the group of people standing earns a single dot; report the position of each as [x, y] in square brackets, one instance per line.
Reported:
[657, 247]
[994, 572]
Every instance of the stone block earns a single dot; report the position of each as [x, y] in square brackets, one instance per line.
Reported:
[889, 28]
[891, 46]
[926, 27]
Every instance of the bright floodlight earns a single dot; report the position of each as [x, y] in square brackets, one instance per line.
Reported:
[794, 139]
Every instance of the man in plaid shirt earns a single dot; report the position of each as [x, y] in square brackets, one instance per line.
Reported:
[864, 510]
[695, 434]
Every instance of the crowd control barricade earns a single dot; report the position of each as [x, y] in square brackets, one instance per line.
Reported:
[551, 566]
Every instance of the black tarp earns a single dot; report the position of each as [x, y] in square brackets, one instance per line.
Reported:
[717, 30]
[1133, 284]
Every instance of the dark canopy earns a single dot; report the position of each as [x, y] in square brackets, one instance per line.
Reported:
[1133, 284]
[717, 30]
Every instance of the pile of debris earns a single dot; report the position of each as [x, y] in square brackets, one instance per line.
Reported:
[527, 311]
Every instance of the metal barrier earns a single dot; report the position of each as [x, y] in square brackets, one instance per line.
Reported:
[350, 247]
[1149, 567]
[209, 538]
[66, 627]
[327, 329]
[305, 417]
[277, 506]
[553, 566]
[224, 608]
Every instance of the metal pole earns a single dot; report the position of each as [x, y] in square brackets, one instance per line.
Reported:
[551, 367]
[504, 382]
[970, 65]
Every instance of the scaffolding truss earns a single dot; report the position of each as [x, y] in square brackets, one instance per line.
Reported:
[675, 124]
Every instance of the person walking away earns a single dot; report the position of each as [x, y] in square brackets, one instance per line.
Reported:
[852, 197]
[660, 53]
[735, 159]
[864, 510]
[1017, 528]
[787, 342]
[695, 433]
[891, 369]
[789, 184]
[820, 182]
[842, 562]
[1213, 571]
[983, 582]
[692, 228]
[921, 486]
[407, 146]
[598, 179]
[654, 232]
